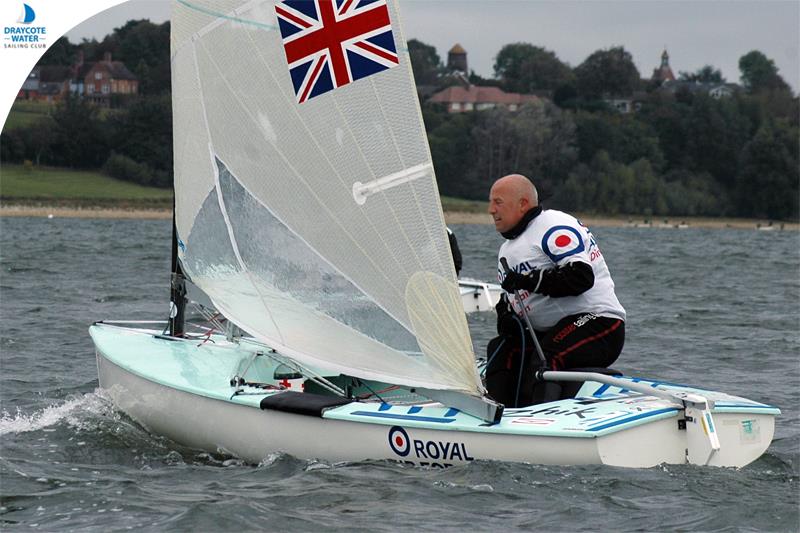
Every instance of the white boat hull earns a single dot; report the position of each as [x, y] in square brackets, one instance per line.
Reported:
[364, 430]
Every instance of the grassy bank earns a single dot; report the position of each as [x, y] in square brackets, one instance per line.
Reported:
[75, 188]
[25, 113]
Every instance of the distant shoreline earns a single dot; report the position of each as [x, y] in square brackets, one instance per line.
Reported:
[451, 217]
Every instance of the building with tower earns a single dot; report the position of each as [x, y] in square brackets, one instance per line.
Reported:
[457, 59]
[664, 72]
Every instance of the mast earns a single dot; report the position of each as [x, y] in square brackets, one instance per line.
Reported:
[177, 297]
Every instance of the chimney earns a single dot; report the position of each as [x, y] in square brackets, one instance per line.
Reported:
[107, 57]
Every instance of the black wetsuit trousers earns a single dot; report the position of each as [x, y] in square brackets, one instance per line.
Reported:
[578, 341]
[581, 341]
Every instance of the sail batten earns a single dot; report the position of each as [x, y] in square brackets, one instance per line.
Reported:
[272, 228]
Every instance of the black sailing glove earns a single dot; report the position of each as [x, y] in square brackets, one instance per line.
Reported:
[526, 282]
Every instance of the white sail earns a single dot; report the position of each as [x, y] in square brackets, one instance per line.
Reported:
[310, 214]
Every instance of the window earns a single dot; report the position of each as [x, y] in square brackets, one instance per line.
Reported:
[89, 89]
[455, 106]
[98, 75]
[105, 88]
[468, 106]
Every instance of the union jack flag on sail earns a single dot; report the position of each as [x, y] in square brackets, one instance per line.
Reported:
[330, 43]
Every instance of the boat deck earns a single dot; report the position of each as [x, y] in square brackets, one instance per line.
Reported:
[204, 368]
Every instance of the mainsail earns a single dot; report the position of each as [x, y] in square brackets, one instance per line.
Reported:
[306, 203]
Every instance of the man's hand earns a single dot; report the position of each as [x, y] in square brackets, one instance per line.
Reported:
[527, 282]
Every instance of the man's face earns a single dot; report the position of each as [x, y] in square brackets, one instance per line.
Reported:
[506, 208]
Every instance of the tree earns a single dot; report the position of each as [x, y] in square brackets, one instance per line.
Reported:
[706, 74]
[759, 73]
[607, 72]
[525, 68]
[452, 151]
[717, 130]
[537, 141]
[767, 184]
[62, 52]
[80, 137]
[624, 137]
[144, 134]
[145, 47]
[669, 119]
[425, 62]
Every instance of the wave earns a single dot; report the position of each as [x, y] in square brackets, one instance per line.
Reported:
[73, 411]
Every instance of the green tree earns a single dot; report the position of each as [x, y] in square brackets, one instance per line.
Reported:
[144, 47]
[767, 184]
[706, 74]
[144, 134]
[624, 137]
[524, 68]
[62, 52]
[451, 150]
[607, 72]
[425, 62]
[669, 119]
[759, 72]
[716, 133]
[80, 137]
[537, 141]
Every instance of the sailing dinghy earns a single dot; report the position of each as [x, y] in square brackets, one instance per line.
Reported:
[309, 231]
[478, 295]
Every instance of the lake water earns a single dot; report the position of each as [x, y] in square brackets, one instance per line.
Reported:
[714, 308]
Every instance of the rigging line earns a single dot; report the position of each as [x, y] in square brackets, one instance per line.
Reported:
[219, 15]
[221, 201]
[372, 391]
[313, 376]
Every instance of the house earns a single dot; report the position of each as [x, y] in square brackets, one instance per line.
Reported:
[715, 90]
[105, 78]
[46, 83]
[626, 104]
[96, 82]
[459, 99]
[30, 87]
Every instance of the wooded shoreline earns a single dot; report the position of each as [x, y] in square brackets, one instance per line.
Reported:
[451, 217]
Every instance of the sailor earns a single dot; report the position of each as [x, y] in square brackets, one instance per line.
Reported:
[560, 274]
[457, 261]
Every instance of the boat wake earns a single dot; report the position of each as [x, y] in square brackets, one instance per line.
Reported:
[75, 412]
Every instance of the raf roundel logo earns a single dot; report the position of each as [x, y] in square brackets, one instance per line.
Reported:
[398, 441]
[562, 241]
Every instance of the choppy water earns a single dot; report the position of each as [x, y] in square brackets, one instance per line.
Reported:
[719, 308]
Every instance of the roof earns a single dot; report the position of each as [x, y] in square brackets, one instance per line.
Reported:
[457, 49]
[478, 95]
[697, 86]
[54, 73]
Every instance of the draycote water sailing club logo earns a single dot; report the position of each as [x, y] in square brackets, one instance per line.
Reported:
[25, 34]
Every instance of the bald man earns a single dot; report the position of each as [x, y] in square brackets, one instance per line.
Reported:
[566, 290]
